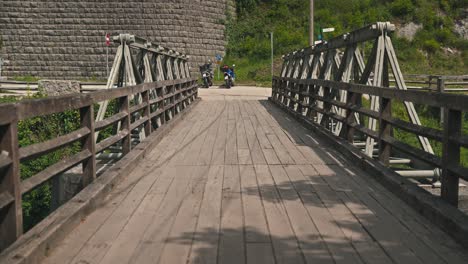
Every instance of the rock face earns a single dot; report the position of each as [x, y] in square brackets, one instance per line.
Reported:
[58, 87]
[408, 31]
[461, 26]
[66, 39]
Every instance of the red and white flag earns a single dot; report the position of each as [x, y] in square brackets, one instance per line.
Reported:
[107, 39]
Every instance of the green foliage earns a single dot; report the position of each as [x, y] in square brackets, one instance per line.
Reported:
[37, 203]
[402, 8]
[431, 45]
[27, 78]
[249, 42]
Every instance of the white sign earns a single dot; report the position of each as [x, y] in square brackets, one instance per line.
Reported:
[328, 30]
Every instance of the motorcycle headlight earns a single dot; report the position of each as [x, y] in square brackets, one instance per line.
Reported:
[226, 77]
[204, 75]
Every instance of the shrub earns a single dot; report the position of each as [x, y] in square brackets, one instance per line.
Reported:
[402, 7]
[431, 45]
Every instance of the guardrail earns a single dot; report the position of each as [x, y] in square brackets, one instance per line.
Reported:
[302, 97]
[159, 103]
[20, 88]
[438, 83]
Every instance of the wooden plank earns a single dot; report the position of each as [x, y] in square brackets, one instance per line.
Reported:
[221, 136]
[283, 238]
[256, 229]
[231, 241]
[315, 154]
[185, 221]
[177, 136]
[340, 247]
[53, 170]
[205, 240]
[206, 152]
[283, 135]
[76, 240]
[99, 125]
[231, 142]
[385, 236]
[32, 151]
[189, 142]
[127, 240]
[95, 249]
[254, 145]
[421, 233]
[259, 253]
[353, 229]
[151, 244]
[281, 152]
[360, 231]
[243, 151]
[310, 241]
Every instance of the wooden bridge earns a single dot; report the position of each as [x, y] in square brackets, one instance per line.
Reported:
[242, 175]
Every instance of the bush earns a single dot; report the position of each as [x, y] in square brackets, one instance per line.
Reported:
[431, 46]
[402, 8]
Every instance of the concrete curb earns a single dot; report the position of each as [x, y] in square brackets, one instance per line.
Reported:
[439, 212]
[34, 246]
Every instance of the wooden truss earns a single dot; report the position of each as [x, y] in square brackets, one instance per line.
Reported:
[340, 59]
[139, 61]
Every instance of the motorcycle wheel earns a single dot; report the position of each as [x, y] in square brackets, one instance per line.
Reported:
[205, 82]
[228, 84]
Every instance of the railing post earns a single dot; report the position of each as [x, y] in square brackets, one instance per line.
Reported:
[385, 130]
[441, 89]
[301, 99]
[127, 140]
[348, 131]
[147, 112]
[11, 221]
[88, 143]
[450, 155]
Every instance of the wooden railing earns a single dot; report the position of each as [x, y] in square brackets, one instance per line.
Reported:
[302, 97]
[160, 102]
[21, 89]
[437, 83]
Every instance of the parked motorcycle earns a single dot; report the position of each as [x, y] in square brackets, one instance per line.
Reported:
[229, 76]
[207, 75]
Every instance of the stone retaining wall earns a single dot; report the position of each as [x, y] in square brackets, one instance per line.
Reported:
[66, 39]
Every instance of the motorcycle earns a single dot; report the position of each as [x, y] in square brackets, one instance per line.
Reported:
[207, 75]
[229, 76]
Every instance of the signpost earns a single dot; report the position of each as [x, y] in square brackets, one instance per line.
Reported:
[107, 54]
[219, 58]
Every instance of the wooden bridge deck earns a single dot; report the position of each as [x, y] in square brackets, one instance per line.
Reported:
[238, 181]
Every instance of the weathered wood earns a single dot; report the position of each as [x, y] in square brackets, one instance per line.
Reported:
[11, 224]
[106, 143]
[385, 130]
[53, 170]
[38, 149]
[88, 143]
[100, 125]
[450, 156]
[124, 104]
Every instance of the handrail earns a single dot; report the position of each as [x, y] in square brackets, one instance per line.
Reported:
[177, 94]
[301, 96]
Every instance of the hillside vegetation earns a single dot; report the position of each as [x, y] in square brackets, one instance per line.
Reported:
[435, 49]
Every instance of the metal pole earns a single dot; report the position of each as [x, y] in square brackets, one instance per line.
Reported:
[311, 29]
[107, 61]
[1, 64]
[272, 54]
